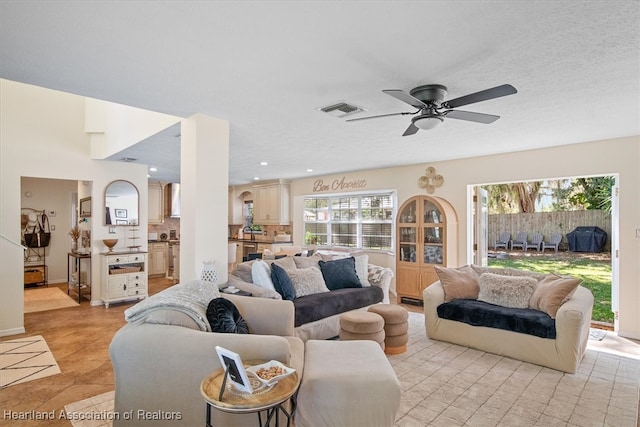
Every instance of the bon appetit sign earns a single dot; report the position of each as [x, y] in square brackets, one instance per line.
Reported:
[338, 184]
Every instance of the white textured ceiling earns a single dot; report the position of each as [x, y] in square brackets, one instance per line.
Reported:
[267, 66]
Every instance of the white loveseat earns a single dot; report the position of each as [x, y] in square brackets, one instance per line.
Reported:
[564, 353]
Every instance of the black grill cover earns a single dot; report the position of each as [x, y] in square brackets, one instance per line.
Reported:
[587, 239]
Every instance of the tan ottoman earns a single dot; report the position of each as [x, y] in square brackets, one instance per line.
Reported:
[362, 325]
[396, 327]
[347, 383]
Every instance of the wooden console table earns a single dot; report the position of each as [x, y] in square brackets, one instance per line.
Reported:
[77, 260]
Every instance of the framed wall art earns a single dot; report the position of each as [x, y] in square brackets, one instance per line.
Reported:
[84, 207]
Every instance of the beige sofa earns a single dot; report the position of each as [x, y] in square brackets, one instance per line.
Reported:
[161, 357]
[327, 327]
[563, 353]
[159, 366]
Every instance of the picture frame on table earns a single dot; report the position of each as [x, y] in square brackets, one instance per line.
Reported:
[232, 363]
[120, 213]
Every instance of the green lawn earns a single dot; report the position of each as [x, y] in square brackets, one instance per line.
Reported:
[595, 275]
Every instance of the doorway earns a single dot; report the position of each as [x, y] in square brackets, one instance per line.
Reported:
[602, 272]
[57, 198]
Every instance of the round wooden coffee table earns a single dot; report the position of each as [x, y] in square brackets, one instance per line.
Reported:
[268, 400]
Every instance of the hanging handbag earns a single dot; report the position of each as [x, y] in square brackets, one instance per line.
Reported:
[39, 238]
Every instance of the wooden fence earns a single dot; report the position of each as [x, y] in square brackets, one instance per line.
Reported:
[547, 223]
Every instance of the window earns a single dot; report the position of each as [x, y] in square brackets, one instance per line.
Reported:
[362, 221]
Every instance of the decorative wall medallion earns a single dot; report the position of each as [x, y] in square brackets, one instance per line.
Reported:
[430, 180]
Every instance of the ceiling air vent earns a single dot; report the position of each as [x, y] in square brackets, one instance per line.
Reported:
[128, 159]
[341, 109]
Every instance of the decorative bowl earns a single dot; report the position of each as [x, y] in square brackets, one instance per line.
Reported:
[255, 370]
[110, 243]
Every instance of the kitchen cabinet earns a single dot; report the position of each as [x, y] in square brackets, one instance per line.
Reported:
[124, 277]
[158, 259]
[427, 235]
[273, 247]
[156, 204]
[235, 208]
[271, 204]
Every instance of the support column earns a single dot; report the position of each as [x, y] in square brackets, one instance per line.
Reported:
[204, 189]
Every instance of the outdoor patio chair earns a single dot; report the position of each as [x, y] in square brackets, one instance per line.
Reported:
[536, 242]
[553, 243]
[503, 241]
[520, 241]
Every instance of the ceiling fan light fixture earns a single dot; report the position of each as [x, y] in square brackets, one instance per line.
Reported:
[427, 122]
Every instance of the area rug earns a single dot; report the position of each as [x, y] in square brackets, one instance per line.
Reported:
[25, 359]
[43, 299]
[449, 385]
[100, 407]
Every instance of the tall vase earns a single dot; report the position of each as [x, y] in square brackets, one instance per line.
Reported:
[209, 273]
[74, 246]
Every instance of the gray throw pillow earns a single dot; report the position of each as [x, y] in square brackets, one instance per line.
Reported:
[307, 281]
[506, 291]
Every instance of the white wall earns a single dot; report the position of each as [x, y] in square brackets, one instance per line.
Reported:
[204, 196]
[42, 135]
[114, 127]
[618, 156]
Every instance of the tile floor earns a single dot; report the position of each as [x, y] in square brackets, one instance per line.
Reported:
[79, 338]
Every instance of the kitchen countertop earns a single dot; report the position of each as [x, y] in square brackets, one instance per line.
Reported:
[267, 241]
[164, 241]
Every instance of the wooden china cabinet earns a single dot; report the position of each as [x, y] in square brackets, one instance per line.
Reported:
[427, 235]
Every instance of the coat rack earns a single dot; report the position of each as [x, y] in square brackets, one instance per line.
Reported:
[35, 259]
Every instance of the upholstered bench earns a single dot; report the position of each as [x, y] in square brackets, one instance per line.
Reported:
[362, 325]
[347, 383]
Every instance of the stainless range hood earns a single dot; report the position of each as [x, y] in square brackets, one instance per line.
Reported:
[175, 200]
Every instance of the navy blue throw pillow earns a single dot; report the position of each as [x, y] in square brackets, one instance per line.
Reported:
[282, 282]
[340, 273]
[223, 316]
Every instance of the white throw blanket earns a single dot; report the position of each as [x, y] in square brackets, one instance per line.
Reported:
[190, 298]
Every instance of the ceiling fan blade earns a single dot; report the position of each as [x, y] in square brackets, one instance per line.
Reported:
[381, 115]
[412, 129]
[483, 95]
[405, 97]
[471, 116]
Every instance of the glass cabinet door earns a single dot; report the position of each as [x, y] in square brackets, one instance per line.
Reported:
[409, 213]
[408, 244]
[432, 214]
[408, 233]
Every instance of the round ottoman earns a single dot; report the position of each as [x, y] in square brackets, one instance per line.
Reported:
[396, 327]
[362, 325]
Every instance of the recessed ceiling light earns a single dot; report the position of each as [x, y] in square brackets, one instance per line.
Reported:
[152, 169]
[148, 176]
[256, 178]
[263, 163]
[309, 170]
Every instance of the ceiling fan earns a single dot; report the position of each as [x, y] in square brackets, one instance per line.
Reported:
[432, 109]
